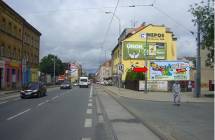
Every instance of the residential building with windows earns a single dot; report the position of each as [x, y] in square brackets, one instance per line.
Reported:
[138, 46]
[19, 49]
[104, 72]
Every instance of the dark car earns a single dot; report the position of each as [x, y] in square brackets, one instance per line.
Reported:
[34, 89]
[66, 85]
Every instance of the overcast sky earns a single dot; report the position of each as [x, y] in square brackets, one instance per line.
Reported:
[75, 30]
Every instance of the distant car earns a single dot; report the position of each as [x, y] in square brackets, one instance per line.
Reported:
[65, 85]
[75, 84]
[33, 89]
[83, 82]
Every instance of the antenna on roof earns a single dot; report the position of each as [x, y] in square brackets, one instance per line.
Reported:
[133, 22]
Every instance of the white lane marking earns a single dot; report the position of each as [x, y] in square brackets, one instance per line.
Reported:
[16, 99]
[12, 117]
[101, 119]
[3, 102]
[90, 104]
[41, 103]
[91, 91]
[47, 101]
[85, 138]
[89, 111]
[53, 98]
[88, 123]
[90, 100]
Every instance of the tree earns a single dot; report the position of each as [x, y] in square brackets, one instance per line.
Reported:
[47, 65]
[204, 16]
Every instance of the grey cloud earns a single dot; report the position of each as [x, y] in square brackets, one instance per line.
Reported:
[78, 34]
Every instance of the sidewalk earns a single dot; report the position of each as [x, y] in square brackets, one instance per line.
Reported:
[157, 96]
[124, 126]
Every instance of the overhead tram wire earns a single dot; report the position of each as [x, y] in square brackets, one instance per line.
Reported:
[177, 22]
[109, 25]
[73, 10]
[164, 13]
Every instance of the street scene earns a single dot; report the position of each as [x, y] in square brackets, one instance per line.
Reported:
[107, 70]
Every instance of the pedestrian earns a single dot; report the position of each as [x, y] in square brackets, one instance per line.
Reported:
[176, 88]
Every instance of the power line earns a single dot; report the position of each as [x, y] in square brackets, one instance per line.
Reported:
[74, 9]
[109, 25]
[174, 20]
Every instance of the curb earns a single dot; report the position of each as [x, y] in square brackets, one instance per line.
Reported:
[156, 131]
[109, 125]
[156, 100]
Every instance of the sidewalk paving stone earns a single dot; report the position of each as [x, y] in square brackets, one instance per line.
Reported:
[157, 96]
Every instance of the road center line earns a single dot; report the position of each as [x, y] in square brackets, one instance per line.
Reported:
[85, 138]
[41, 103]
[88, 123]
[90, 104]
[53, 98]
[16, 99]
[90, 100]
[12, 117]
[89, 111]
[3, 102]
[91, 91]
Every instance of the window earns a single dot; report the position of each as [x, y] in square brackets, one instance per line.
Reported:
[1, 51]
[10, 26]
[8, 75]
[9, 52]
[3, 23]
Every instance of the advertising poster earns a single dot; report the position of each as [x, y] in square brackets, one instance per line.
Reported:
[141, 50]
[169, 70]
[154, 85]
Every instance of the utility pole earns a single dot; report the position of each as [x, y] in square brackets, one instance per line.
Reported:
[54, 70]
[146, 63]
[198, 62]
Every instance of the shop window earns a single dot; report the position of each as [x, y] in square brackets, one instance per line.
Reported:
[8, 75]
[2, 50]
[18, 75]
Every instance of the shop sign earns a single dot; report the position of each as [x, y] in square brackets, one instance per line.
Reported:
[141, 50]
[169, 70]
[14, 63]
[152, 36]
[1, 63]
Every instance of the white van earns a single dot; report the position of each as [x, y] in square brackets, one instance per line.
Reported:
[83, 82]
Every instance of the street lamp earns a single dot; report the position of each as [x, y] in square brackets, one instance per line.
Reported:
[108, 12]
[54, 69]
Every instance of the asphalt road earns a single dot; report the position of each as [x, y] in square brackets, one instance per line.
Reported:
[190, 121]
[61, 115]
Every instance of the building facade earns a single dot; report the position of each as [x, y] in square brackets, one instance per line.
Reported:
[104, 72]
[207, 73]
[15, 56]
[140, 45]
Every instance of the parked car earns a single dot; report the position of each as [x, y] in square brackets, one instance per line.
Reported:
[66, 85]
[33, 89]
[75, 84]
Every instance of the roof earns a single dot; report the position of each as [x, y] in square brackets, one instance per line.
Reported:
[141, 27]
[17, 14]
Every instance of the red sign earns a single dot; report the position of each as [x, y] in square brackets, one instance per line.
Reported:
[140, 69]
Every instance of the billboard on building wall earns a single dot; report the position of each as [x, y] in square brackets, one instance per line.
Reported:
[141, 50]
[169, 70]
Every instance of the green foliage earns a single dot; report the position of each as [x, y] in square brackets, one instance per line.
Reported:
[47, 65]
[131, 75]
[204, 15]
